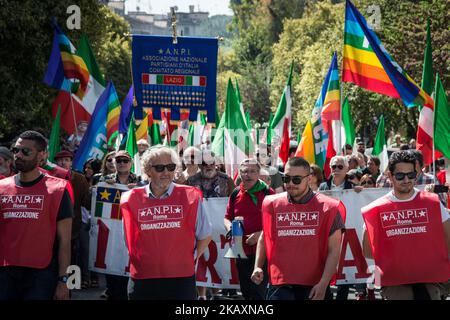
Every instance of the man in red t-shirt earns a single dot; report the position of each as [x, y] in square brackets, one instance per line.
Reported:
[407, 233]
[246, 202]
[35, 227]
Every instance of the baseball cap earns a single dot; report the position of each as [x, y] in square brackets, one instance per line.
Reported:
[122, 154]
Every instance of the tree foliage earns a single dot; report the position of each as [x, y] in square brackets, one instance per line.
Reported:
[26, 36]
[310, 41]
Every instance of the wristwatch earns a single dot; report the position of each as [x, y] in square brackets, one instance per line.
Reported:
[63, 278]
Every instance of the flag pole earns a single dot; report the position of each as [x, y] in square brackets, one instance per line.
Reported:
[73, 112]
[340, 122]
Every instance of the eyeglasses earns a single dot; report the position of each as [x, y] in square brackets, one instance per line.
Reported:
[160, 167]
[367, 182]
[207, 164]
[401, 175]
[294, 179]
[25, 151]
[109, 160]
[340, 167]
[118, 161]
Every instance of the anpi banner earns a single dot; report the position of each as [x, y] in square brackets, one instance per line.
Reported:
[177, 77]
[108, 253]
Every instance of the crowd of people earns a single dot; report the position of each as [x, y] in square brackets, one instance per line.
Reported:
[45, 219]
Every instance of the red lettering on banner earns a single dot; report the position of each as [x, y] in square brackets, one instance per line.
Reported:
[174, 80]
[102, 243]
[145, 78]
[359, 261]
[224, 241]
[204, 264]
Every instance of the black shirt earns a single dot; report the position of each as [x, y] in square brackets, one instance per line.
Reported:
[66, 206]
[65, 211]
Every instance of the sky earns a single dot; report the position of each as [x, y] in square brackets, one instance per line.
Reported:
[214, 7]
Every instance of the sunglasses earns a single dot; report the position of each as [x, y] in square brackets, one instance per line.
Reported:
[294, 179]
[351, 177]
[340, 167]
[207, 164]
[401, 175]
[122, 161]
[367, 182]
[160, 167]
[25, 151]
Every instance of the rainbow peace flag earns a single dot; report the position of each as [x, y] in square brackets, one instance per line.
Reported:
[368, 64]
[113, 115]
[326, 111]
[73, 65]
[330, 96]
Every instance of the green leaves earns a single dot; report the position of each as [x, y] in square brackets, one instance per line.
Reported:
[26, 35]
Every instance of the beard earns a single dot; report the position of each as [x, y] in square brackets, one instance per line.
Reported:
[26, 166]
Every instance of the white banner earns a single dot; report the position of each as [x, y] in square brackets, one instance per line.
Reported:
[353, 266]
[107, 250]
[108, 253]
[213, 270]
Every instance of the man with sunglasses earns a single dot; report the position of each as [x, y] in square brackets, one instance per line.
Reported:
[301, 238]
[338, 179]
[407, 233]
[123, 174]
[166, 231]
[35, 227]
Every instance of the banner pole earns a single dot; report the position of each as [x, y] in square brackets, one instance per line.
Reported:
[73, 113]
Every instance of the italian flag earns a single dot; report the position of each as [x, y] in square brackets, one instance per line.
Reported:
[197, 130]
[424, 139]
[380, 148]
[281, 122]
[107, 203]
[82, 108]
[132, 149]
[348, 133]
[231, 142]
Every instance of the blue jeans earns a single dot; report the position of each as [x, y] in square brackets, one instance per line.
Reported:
[21, 283]
[292, 292]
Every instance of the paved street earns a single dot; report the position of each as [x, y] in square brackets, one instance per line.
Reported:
[95, 293]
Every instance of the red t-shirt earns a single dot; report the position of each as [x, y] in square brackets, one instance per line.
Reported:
[441, 176]
[244, 206]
